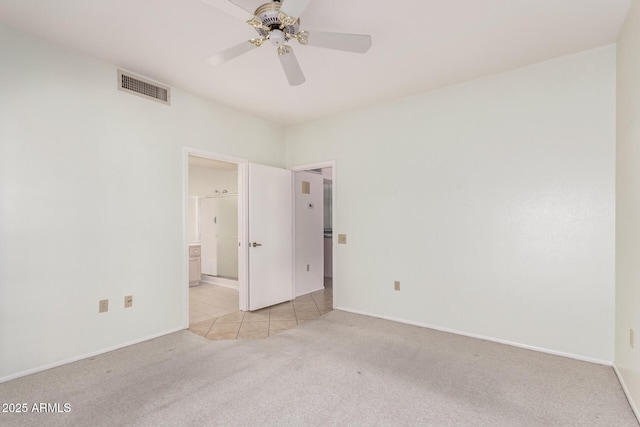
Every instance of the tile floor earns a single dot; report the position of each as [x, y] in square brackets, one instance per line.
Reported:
[214, 314]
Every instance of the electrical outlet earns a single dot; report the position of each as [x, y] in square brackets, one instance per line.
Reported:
[342, 239]
[396, 285]
[631, 338]
[307, 267]
[128, 301]
[103, 306]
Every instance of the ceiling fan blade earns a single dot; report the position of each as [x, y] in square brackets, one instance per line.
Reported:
[230, 53]
[290, 66]
[358, 43]
[230, 8]
[294, 8]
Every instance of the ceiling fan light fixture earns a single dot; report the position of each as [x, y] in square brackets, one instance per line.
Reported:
[277, 37]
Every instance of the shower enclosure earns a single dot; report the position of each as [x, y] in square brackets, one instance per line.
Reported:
[218, 235]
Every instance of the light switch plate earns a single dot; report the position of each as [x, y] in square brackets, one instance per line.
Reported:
[342, 239]
[396, 285]
[306, 187]
[128, 301]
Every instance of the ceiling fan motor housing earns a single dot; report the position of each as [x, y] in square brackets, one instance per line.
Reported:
[268, 14]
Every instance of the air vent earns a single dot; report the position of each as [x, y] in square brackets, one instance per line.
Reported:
[138, 86]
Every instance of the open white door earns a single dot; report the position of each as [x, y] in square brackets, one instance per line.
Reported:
[270, 236]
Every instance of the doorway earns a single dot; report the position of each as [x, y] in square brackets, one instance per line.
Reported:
[314, 204]
[253, 234]
[214, 223]
[213, 238]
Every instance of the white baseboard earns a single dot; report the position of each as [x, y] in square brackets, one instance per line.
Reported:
[627, 393]
[84, 356]
[485, 338]
[213, 280]
[321, 288]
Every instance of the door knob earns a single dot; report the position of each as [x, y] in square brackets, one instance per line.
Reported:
[256, 244]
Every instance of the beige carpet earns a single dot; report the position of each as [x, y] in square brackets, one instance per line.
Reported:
[340, 369]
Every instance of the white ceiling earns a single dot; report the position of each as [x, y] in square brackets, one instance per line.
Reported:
[418, 45]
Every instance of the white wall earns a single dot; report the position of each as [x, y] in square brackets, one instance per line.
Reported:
[309, 234]
[628, 206]
[492, 202]
[91, 201]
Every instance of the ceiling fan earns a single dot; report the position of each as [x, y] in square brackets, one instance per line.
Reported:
[279, 22]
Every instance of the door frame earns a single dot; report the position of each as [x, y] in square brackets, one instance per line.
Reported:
[319, 165]
[243, 224]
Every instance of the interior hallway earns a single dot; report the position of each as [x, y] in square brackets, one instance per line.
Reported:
[214, 314]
